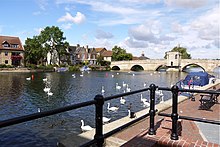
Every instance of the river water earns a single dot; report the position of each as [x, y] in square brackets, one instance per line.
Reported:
[19, 97]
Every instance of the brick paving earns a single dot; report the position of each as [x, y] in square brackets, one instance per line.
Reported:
[189, 133]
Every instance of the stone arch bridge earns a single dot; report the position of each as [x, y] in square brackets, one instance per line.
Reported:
[154, 64]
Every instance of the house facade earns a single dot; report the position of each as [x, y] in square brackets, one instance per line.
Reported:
[11, 51]
[83, 55]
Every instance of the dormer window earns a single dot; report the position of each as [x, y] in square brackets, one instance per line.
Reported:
[14, 45]
[5, 44]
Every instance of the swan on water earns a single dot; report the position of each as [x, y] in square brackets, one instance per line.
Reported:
[103, 90]
[105, 119]
[49, 93]
[146, 103]
[122, 100]
[117, 86]
[73, 75]
[29, 78]
[45, 79]
[123, 84]
[128, 89]
[159, 92]
[85, 128]
[112, 108]
[46, 89]
[143, 99]
[145, 84]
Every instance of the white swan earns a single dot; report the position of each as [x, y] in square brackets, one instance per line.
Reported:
[146, 103]
[29, 78]
[122, 100]
[49, 93]
[143, 99]
[112, 76]
[159, 92]
[117, 86]
[45, 79]
[38, 110]
[123, 84]
[105, 119]
[85, 128]
[133, 74]
[103, 90]
[46, 89]
[112, 108]
[145, 84]
[128, 89]
[161, 99]
[73, 75]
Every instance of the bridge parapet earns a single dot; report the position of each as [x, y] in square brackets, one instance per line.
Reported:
[152, 64]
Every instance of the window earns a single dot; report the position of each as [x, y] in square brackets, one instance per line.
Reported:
[6, 61]
[6, 53]
[14, 45]
[176, 56]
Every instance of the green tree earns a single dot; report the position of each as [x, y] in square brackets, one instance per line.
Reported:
[119, 54]
[181, 50]
[33, 50]
[53, 40]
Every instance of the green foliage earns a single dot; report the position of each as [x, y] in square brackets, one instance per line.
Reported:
[120, 54]
[6, 66]
[183, 52]
[33, 50]
[74, 68]
[50, 39]
[102, 62]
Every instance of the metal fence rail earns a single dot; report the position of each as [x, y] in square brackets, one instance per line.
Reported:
[99, 101]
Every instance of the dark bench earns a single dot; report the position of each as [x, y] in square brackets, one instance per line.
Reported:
[208, 100]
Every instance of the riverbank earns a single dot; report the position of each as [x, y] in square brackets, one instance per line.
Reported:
[24, 70]
[139, 130]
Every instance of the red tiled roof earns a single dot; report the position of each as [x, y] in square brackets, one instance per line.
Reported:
[107, 54]
[99, 49]
[11, 41]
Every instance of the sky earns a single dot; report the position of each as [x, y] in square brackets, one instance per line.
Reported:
[152, 27]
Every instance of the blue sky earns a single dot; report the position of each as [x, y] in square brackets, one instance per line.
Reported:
[150, 26]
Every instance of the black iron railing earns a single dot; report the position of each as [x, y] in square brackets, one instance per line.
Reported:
[99, 101]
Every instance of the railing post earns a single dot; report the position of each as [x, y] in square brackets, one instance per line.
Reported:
[98, 119]
[174, 115]
[152, 109]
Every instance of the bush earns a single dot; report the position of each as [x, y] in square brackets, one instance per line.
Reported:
[6, 66]
[74, 68]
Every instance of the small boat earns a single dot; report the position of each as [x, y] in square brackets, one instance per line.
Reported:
[196, 80]
[85, 68]
[62, 69]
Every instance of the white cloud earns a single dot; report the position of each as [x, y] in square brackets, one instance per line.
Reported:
[78, 19]
[207, 25]
[142, 32]
[186, 3]
[100, 34]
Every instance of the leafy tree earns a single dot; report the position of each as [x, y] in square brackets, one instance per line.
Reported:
[120, 54]
[53, 40]
[183, 52]
[33, 50]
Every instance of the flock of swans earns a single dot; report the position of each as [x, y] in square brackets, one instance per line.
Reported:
[122, 101]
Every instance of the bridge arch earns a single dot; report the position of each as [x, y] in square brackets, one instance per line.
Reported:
[192, 64]
[160, 67]
[136, 68]
[115, 68]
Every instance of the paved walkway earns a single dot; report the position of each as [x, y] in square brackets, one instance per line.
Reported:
[191, 134]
